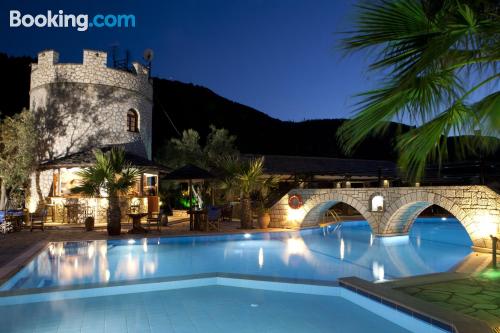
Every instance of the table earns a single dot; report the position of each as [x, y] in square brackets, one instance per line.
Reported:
[199, 219]
[137, 228]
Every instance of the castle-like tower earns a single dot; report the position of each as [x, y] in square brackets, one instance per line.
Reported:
[88, 105]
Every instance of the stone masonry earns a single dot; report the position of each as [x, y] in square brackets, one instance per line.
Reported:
[81, 106]
[476, 207]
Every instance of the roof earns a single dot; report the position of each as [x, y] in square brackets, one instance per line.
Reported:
[189, 172]
[86, 158]
[326, 166]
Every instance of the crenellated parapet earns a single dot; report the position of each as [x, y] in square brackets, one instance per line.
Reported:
[93, 70]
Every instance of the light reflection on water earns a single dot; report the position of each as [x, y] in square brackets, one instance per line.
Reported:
[351, 250]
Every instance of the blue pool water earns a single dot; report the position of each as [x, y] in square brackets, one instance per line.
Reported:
[209, 309]
[319, 254]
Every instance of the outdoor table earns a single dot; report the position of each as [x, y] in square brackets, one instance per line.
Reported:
[199, 218]
[137, 228]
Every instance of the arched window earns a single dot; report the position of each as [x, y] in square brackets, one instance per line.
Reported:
[132, 121]
[377, 203]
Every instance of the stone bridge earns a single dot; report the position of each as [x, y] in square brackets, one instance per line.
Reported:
[392, 211]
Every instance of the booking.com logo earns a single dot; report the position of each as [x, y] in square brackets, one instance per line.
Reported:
[61, 20]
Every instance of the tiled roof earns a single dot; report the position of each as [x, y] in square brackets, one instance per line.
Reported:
[326, 166]
[86, 158]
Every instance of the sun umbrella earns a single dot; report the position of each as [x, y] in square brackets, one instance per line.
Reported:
[190, 173]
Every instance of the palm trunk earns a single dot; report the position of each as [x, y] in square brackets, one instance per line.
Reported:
[114, 215]
[3, 195]
[246, 213]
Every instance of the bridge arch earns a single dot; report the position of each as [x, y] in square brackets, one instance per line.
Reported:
[477, 207]
[402, 213]
[317, 205]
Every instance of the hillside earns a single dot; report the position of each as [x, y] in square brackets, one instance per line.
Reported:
[192, 106]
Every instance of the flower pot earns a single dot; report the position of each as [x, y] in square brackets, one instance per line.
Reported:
[89, 223]
[264, 220]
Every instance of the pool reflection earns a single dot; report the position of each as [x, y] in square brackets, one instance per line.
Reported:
[319, 254]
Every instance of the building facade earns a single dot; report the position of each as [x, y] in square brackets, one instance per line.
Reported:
[81, 107]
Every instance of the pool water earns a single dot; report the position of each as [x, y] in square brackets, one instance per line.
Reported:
[349, 249]
[202, 309]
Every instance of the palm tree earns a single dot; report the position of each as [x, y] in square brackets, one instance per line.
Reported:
[110, 176]
[245, 179]
[438, 61]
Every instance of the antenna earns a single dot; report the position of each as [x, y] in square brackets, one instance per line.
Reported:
[148, 55]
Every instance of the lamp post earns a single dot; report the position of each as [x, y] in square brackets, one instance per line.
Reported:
[494, 241]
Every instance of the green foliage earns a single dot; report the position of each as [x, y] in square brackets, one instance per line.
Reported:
[187, 149]
[219, 143]
[18, 146]
[434, 57]
[111, 174]
[245, 178]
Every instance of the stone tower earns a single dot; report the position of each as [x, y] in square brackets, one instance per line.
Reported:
[82, 106]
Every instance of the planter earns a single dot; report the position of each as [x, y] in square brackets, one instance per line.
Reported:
[89, 223]
[264, 220]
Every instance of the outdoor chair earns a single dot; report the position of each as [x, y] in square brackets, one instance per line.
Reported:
[154, 218]
[38, 219]
[214, 217]
[227, 213]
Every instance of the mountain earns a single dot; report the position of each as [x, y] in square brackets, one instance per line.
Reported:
[196, 107]
[16, 87]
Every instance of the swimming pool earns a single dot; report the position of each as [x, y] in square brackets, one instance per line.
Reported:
[270, 282]
[319, 254]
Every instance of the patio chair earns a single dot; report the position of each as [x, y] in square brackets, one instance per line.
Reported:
[154, 218]
[38, 219]
[214, 217]
[227, 213]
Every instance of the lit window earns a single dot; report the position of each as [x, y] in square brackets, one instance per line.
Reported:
[132, 121]
[377, 203]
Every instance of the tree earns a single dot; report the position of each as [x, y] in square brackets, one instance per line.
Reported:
[18, 157]
[110, 176]
[436, 57]
[219, 143]
[188, 150]
[244, 179]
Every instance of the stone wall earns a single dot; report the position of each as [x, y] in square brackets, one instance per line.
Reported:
[40, 187]
[80, 106]
[476, 207]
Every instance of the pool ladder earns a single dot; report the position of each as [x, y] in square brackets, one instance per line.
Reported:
[331, 218]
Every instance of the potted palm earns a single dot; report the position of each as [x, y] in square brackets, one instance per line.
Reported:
[246, 179]
[264, 218]
[110, 176]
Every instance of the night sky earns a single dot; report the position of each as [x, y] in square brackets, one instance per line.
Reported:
[281, 57]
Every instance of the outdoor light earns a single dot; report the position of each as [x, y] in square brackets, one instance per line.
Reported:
[486, 225]
[494, 241]
[443, 219]
[247, 235]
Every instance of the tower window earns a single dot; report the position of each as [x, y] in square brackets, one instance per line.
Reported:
[132, 121]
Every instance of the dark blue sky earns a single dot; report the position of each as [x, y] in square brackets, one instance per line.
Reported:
[278, 56]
